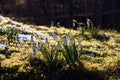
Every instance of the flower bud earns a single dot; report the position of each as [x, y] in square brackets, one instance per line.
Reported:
[71, 42]
[65, 40]
[58, 45]
[55, 36]
[46, 42]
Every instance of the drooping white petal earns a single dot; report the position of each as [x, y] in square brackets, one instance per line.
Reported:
[34, 50]
[68, 36]
[65, 40]
[74, 20]
[46, 42]
[58, 24]
[39, 46]
[73, 24]
[55, 36]
[58, 45]
[88, 23]
[52, 23]
[32, 39]
[71, 42]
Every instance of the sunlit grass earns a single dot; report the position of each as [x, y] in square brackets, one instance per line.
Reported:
[107, 52]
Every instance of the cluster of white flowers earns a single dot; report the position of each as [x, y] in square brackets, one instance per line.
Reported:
[67, 38]
[35, 48]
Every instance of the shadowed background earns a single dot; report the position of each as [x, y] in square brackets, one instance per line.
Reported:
[104, 13]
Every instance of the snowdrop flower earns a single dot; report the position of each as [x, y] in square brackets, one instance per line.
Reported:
[71, 42]
[58, 45]
[58, 24]
[73, 24]
[39, 46]
[68, 36]
[65, 40]
[46, 42]
[32, 39]
[34, 49]
[74, 20]
[52, 23]
[88, 23]
[55, 36]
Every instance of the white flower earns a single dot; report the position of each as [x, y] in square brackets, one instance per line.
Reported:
[71, 42]
[58, 24]
[52, 23]
[32, 39]
[68, 36]
[65, 40]
[88, 23]
[39, 46]
[46, 42]
[34, 49]
[55, 36]
[74, 20]
[73, 24]
[58, 45]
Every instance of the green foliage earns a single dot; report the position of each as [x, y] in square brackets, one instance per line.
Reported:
[71, 54]
[94, 31]
[50, 55]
